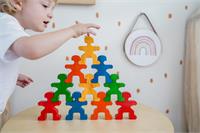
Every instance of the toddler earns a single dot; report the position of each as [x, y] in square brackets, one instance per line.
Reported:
[15, 17]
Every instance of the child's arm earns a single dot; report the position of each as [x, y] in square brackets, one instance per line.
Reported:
[37, 46]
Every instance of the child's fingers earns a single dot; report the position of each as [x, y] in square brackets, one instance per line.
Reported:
[93, 26]
[91, 32]
[20, 84]
[29, 80]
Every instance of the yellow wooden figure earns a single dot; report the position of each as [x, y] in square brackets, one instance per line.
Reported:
[89, 88]
[89, 51]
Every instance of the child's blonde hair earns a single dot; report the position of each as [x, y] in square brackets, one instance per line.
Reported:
[7, 7]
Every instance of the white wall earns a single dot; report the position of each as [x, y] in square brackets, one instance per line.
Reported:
[163, 94]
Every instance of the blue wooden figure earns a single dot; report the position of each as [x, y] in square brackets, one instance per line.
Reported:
[76, 107]
[101, 70]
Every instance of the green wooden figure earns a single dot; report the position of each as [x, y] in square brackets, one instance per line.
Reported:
[62, 88]
[114, 88]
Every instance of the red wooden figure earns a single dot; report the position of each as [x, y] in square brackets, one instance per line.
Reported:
[125, 107]
[49, 107]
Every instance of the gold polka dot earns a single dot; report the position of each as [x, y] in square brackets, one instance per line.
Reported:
[186, 7]
[165, 75]
[151, 80]
[67, 58]
[181, 62]
[167, 111]
[117, 72]
[106, 48]
[169, 15]
[76, 22]
[138, 90]
[119, 23]
[97, 15]
[53, 25]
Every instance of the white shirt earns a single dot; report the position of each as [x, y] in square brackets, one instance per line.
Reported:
[10, 31]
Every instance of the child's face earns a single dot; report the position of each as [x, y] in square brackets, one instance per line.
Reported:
[36, 14]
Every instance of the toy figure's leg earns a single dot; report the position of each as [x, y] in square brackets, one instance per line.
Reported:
[69, 78]
[108, 116]
[56, 116]
[95, 60]
[95, 97]
[120, 97]
[83, 97]
[82, 79]
[108, 79]
[43, 115]
[108, 96]
[132, 114]
[95, 79]
[55, 97]
[83, 58]
[83, 116]
[68, 97]
[119, 116]
[94, 116]
[70, 115]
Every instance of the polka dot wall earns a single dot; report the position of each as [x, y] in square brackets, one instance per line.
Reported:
[158, 86]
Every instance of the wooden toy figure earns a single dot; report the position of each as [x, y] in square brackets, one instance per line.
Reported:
[126, 107]
[75, 70]
[101, 107]
[102, 69]
[89, 88]
[49, 107]
[114, 88]
[76, 107]
[89, 51]
[62, 88]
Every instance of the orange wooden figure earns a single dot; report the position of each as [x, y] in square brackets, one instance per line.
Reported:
[75, 70]
[101, 107]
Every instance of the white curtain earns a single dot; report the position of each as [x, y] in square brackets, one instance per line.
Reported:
[192, 74]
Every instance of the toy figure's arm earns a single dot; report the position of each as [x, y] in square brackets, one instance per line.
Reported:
[57, 103]
[106, 84]
[133, 102]
[70, 84]
[54, 84]
[93, 103]
[96, 48]
[68, 103]
[84, 103]
[82, 48]
[68, 66]
[83, 66]
[121, 85]
[41, 103]
[110, 66]
[96, 85]
[109, 103]
[119, 103]
[83, 85]
[94, 66]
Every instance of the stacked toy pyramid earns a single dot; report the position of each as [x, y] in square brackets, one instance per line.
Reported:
[88, 82]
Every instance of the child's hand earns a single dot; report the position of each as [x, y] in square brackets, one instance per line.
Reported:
[80, 29]
[23, 80]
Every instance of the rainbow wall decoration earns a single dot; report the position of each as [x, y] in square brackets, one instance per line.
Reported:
[142, 47]
[143, 43]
